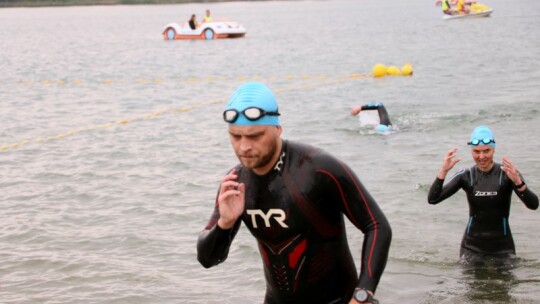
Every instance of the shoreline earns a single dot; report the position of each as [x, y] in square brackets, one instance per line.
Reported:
[53, 3]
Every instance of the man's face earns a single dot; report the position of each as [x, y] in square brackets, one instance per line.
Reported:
[483, 156]
[255, 146]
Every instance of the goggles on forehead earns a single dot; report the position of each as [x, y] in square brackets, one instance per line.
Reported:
[485, 141]
[252, 114]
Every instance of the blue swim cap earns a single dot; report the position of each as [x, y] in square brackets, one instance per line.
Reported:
[254, 94]
[374, 104]
[383, 128]
[482, 134]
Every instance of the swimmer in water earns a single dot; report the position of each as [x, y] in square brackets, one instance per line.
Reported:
[489, 187]
[294, 199]
[384, 120]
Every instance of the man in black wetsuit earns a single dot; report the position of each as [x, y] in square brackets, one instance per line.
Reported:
[292, 198]
[489, 187]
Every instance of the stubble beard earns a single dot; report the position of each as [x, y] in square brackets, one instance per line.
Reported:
[261, 161]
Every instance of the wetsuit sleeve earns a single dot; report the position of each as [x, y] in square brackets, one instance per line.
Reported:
[384, 119]
[439, 192]
[527, 197]
[369, 107]
[383, 116]
[213, 243]
[363, 211]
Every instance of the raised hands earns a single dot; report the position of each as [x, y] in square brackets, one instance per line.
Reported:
[448, 163]
[511, 171]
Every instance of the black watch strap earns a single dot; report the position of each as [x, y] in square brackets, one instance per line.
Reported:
[520, 185]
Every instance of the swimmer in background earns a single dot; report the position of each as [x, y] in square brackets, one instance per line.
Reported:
[384, 120]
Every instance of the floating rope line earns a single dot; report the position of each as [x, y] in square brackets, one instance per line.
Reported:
[121, 122]
[189, 80]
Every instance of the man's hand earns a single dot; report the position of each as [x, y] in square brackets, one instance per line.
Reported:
[230, 200]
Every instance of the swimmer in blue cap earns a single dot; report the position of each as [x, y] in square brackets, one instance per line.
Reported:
[384, 120]
[254, 129]
[482, 135]
[489, 186]
[294, 199]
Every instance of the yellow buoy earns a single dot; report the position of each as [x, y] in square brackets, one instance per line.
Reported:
[407, 69]
[379, 70]
[392, 70]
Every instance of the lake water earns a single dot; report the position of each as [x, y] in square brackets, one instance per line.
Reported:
[112, 143]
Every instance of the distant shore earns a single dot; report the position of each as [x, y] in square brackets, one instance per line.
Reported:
[37, 3]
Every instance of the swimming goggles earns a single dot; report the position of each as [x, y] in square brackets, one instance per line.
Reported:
[485, 141]
[252, 114]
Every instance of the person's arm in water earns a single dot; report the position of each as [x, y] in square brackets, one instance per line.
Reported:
[214, 241]
[520, 188]
[383, 115]
[381, 110]
[438, 192]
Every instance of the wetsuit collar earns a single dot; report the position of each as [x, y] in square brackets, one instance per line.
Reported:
[278, 167]
[488, 171]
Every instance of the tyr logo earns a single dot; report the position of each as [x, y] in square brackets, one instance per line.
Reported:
[278, 214]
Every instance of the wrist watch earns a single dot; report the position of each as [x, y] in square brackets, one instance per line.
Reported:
[520, 185]
[363, 296]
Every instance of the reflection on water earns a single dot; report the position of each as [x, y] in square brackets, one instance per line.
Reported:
[490, 283]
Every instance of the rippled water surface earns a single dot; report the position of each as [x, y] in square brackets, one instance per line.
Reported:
[112, 144]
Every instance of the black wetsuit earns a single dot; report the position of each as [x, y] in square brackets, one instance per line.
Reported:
[384, 119]
[488, 231]
[296, 214]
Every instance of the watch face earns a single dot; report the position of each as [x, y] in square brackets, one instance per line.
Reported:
[361, 295]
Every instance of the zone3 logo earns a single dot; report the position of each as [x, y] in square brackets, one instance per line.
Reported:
[485, 193]
[277, 214]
